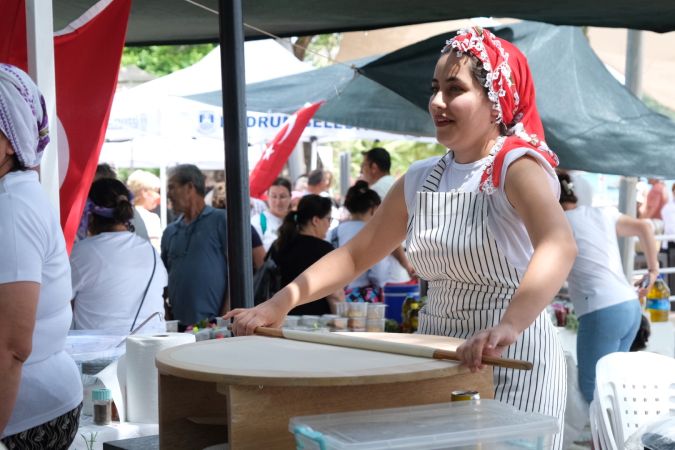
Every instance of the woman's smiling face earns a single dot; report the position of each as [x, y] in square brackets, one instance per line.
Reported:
[459, 106]
[279, 199]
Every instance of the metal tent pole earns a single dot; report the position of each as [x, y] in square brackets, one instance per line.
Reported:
[240, 261]
[627, 197]
[345, 166]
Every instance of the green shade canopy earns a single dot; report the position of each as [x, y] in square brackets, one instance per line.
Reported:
[591, 120]
[177, 21]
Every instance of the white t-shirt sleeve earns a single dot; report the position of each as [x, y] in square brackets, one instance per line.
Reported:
[611, 214]
[506, 225]
[22, 241]
[503, 202]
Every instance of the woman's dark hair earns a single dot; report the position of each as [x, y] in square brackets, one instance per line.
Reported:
[642, 336]
[16, 165]
[104, 170]
[110, 193]
[281, 181]
[360, 198]
[566, 192]
[310, 206]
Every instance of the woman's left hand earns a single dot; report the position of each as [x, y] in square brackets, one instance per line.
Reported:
[645, 283]
[490, 342]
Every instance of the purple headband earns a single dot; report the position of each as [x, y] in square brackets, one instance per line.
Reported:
[101, 211]
[92, 208]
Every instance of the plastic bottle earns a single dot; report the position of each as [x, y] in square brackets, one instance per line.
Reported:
[658, 301]
[405, 314]
[102, 406]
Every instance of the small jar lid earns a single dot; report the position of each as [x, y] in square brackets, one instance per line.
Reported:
[101, 394]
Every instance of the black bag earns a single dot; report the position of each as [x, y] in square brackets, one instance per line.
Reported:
[266, 281]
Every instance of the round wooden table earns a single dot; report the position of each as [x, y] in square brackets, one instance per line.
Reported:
[253, 385]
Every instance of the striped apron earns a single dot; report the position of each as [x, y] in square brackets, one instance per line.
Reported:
[470, 286]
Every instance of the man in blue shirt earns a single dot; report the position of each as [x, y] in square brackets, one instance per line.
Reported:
[194, 249]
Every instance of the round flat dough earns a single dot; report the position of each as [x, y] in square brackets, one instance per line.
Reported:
[254, 360]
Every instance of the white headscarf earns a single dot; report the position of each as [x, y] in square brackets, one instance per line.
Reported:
[23, 115]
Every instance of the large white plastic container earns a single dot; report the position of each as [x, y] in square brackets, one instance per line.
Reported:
[474, 425]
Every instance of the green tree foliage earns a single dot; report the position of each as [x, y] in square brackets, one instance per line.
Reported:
[124, 172]
[163, 59]
[403, 153]
[322, 49]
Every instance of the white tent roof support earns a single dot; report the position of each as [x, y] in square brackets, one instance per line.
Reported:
[40, 38]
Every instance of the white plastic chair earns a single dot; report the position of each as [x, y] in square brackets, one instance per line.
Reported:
[630, 390]
[601, 428]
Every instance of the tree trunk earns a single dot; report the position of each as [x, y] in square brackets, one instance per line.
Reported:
[300, 46]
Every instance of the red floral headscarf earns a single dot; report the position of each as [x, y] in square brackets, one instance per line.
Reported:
[511, 91]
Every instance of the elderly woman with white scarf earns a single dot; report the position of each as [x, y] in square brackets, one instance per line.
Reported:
[40, 387]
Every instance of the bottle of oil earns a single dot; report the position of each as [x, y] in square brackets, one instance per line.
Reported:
[414, 315]
[411, 307]
[658, 301]
[406, 326]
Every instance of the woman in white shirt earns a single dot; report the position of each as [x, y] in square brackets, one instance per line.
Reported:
[145, 187]
[361, 202]
[482, 224]
[606, 305]
[40, 387]
[118, 277]
[268, 222]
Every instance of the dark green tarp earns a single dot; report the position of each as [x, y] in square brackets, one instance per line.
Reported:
[591, 120]
[177, 21]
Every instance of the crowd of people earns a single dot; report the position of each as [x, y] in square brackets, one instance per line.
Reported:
[481, 224]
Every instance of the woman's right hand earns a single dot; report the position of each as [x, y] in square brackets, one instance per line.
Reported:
[246, 320]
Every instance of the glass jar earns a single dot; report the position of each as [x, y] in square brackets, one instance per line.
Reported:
[102, 399]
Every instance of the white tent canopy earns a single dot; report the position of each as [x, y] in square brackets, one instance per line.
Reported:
[154, 125]
[157, 108]
[154, 151]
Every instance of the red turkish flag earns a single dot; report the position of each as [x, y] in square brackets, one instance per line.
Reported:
[87, 58]
[277, 152]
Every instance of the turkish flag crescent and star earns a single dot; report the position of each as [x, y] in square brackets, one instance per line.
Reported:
[277, 152]
[87, 57]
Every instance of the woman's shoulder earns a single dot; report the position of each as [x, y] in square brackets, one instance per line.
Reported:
[349, 225]
[415, 176]
[423, 165]
[111, 240]
[83, 250]
[22, 198]
[517, 153]
[304, 241]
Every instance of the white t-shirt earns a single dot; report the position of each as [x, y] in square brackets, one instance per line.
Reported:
[110, 273]
[596, 280]
[152, 224]
[503, 221]
[668, 214]
[33, 249]
[376, 275]
[270, 235]
[383, 185]
[397, 274]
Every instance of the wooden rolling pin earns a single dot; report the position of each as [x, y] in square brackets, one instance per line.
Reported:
[377, 345]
